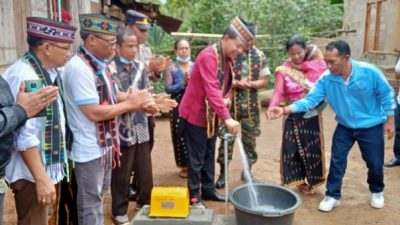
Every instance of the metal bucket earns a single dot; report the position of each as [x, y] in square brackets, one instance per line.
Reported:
[283, 200]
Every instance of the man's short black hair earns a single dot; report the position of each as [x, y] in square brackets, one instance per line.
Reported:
[230, 32]
[34, 42]
[342, 47]
[84, 34]
[121, 32]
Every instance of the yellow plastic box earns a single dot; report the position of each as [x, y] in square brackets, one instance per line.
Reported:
[169, 202]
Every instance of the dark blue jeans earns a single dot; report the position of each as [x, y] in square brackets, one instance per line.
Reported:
[396, 145]
[372, 145]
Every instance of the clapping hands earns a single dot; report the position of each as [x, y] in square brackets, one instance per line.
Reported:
[244, 83]
[159, 64]
[164, 101]
[140, 100]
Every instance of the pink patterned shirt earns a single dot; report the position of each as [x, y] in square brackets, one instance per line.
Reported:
[286, 87]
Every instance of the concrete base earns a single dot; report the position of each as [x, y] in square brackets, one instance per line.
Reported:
[220, 220]
[196, 217]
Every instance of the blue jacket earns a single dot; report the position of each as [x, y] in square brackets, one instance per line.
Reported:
[364, 102]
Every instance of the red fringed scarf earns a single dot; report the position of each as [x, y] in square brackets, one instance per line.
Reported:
[106, 129]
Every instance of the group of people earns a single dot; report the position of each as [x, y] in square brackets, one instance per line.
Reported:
[97, 130]
[305, 83]
[96, 127]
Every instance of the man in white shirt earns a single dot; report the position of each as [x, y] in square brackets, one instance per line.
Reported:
[39, 160]
[92, 104]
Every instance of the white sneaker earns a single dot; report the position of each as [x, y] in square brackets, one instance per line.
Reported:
[328, 203]
[377, 200]
[122, 220]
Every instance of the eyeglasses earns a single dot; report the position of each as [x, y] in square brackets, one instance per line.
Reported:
[110, 42]
[61, 47]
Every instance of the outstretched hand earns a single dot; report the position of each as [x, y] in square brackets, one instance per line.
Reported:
[273, 113]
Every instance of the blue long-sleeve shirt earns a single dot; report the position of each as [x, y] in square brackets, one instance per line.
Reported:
[178, 80]
[365, 101]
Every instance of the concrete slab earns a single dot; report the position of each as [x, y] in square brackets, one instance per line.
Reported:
[219, 219]
[196, 217]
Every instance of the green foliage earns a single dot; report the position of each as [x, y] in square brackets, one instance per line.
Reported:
[161, 44]
[336, 2]
[278, 19]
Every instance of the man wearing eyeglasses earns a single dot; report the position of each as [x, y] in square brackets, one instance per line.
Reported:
[39, 160]
[93, 104]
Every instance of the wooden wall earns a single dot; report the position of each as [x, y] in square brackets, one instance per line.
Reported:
[13, 26]
[376, 37]
[13, 23]
[7, 43]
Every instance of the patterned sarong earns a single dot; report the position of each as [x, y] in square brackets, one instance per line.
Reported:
[302, 158]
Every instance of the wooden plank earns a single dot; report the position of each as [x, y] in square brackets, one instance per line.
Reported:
[204, 35]
[22, 9]
[367, 24]
[75, 8]
[384, 52]
[39, 8]
[377, 25]
[95, 7]
[7, 43]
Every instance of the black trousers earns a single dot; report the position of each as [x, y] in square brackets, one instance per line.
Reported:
[138, 159]
[396, 145]
[151, 125]
[201, 158]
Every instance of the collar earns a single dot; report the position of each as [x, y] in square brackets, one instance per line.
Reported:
[352, 76]
[121, 66]
[102, 63]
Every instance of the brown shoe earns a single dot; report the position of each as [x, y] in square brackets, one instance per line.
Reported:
[183, 173]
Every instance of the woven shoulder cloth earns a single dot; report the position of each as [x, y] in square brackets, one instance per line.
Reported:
[300, 79]
[294, 74]
[54, 155]
[106, 129]
[210, 113]
[254, 61]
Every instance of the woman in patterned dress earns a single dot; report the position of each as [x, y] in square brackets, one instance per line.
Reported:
[175, 83]
[302, 156]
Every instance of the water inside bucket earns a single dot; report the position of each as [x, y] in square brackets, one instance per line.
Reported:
[246, 169]
[266, 208]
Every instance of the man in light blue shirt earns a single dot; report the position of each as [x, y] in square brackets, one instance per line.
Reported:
[364, 105]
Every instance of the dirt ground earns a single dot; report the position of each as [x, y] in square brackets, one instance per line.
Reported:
[354, 208]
